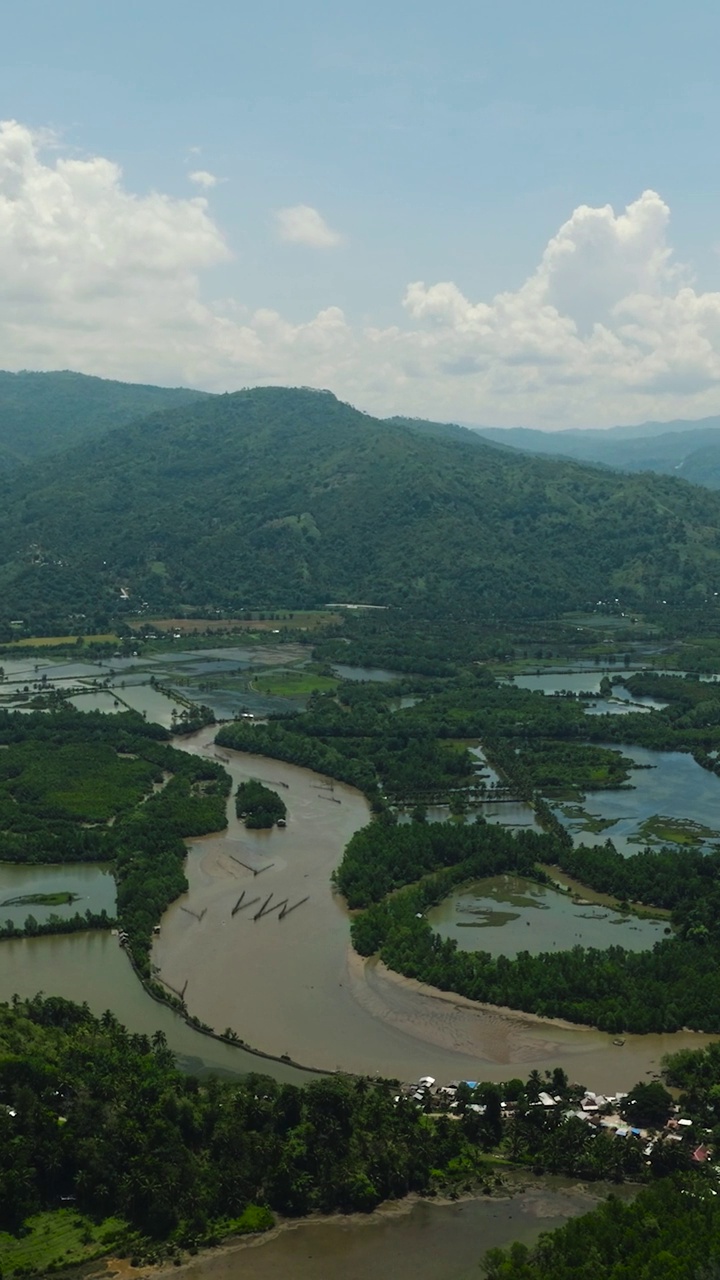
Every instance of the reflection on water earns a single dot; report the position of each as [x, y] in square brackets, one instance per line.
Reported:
[505, 813]
[670, 783]
[507, 914]
[93, 887]
[550, 682]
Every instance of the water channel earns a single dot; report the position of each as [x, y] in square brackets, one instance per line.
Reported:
[296, 986]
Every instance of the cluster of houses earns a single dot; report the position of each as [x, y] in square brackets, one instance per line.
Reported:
[598, 1110]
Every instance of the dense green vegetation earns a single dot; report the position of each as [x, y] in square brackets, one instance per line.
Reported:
[43, 413]
[670, 1232]
[659, 990]
[282, 497]
[105, 1116]
[78, 923]
[258, 805]
[64, 770]
[94, 1114]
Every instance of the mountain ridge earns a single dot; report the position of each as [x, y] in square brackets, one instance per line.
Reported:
[282, 496]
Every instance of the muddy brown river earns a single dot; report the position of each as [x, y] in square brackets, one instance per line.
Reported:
[294, 986]
[408, 1241]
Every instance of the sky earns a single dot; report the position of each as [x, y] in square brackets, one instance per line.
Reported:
[493, 214]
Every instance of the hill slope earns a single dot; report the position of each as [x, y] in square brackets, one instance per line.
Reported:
[42, 413]
[687, 449]
[280, 496]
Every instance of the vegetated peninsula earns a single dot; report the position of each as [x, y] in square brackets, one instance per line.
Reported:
[286, 497]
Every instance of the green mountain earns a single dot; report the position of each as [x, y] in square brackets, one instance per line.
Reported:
[687, 449]
[42, 413]
[279, 496]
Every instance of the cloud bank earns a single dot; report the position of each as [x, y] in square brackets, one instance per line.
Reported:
[93, 277]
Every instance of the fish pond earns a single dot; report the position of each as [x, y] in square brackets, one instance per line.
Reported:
[42, 891]
[507, 914]
[671, 800]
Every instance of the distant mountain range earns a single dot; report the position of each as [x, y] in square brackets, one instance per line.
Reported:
[47, 413]
[687, 449]
[279, 496]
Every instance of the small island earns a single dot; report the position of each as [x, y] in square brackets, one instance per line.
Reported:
[61, 899]
[259, 807]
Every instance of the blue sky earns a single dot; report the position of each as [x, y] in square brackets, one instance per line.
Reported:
[445, 144]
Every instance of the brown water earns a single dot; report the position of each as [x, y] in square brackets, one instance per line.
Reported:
[295, 986]
[422, 1241]
[93, 967]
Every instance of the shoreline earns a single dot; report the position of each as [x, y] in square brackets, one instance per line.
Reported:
[304, 995]
[233, 1249]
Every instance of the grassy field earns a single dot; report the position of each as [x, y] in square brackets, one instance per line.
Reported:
[293, 684]
[57, 1240]
[47, 642]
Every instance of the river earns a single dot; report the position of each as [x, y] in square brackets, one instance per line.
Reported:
[295, 986]
[409, 1240]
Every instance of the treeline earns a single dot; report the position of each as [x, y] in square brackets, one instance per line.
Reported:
[387, 855]
[684, 881]
[616, 990]
[397, 872]
[670, 1232]
[92, 1112]
[258, 805]
[104, 1116]
[33, 928]
[358, 736]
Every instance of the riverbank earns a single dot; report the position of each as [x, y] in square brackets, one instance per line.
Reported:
[296, 987]
[411, 1239]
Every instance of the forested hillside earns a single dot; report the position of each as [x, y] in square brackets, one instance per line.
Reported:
[42, 413]
[278, 496]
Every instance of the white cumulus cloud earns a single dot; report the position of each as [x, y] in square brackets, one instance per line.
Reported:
[301, 224]
[608, 328]
[202, 178]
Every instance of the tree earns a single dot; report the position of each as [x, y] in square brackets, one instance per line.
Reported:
[648, 1105]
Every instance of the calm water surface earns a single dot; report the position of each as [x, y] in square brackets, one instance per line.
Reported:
[668, 783]
[425, 1242]
[93, 885]
[378, 674]
[507, 914]
[93, 967]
